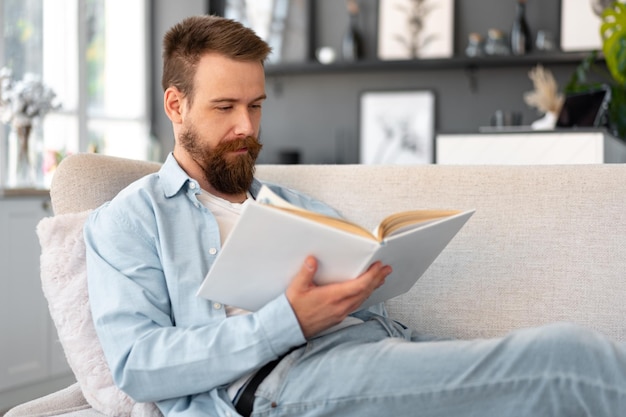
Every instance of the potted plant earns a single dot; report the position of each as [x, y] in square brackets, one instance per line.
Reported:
[589, 76]
[23, 105]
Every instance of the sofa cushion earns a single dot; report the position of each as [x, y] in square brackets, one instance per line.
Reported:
[64, 283]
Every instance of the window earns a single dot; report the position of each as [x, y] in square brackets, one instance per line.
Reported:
[93, 54]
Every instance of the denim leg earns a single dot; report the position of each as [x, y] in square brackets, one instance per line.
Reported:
[373, 370]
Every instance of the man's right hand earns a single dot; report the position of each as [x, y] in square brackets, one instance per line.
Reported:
[319, 307]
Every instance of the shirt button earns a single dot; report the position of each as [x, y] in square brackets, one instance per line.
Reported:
[217, 306]
[192, 185]
[212, 251]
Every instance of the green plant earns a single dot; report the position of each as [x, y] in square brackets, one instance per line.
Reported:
[588, 75]
[613, 32]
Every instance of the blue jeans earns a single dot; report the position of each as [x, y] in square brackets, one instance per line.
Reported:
[380, 369]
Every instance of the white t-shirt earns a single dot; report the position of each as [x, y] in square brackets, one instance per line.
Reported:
[227, 214]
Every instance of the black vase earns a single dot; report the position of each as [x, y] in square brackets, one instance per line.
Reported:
[352, 45]
[520, 34]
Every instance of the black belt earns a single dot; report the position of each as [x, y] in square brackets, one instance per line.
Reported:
[244, 403]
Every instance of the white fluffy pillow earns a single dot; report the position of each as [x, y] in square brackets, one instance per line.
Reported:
[64, 282]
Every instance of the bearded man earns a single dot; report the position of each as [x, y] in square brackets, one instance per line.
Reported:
[304, 353]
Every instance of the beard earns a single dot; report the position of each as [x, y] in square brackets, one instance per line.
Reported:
[227, 173]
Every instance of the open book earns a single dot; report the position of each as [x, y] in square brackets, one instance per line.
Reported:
[269, 243]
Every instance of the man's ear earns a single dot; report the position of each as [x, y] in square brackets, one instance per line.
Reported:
[173, 104]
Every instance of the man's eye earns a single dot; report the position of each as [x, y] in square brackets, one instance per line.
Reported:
[225, 108]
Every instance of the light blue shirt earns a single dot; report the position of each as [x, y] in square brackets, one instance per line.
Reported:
[148, 250]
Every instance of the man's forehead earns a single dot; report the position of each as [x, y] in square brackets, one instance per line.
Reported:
[229, 77]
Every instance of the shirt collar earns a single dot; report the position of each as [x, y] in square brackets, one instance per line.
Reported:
[174, 178]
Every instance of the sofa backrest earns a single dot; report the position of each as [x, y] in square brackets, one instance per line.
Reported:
[547, 243]
[85, 181]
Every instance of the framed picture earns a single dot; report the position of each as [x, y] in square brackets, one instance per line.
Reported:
[409, 29]
[397, 127]
[283, 24]
[580, 25]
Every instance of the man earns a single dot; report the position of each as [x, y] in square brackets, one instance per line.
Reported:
[302, 354]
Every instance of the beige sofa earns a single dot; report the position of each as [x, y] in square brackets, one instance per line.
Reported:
[547, 243]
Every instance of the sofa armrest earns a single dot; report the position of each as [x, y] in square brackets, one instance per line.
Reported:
[64, 402]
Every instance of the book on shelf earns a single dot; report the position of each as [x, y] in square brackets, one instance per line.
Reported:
[267, 246]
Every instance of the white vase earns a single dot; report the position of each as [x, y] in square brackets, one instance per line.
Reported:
[547, 122]
[25, 151]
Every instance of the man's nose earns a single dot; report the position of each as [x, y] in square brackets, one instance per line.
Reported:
[244, 125]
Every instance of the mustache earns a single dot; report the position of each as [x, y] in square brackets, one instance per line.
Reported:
[249, 142]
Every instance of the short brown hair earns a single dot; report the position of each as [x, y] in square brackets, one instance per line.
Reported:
[186, 42]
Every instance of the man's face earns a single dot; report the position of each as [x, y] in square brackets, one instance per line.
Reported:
[220, 128]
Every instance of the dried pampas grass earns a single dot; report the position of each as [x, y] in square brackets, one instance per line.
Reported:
[545, 97]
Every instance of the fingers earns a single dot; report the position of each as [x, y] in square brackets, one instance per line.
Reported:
[366, 283]
[310, 264]
[320, 307]
[370, 280]
[350, 294]
[303, 282]
[306, 275]
[380, 272]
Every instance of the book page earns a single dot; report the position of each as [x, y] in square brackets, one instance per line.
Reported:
[392, 224]
[399, 222]
[268, 197]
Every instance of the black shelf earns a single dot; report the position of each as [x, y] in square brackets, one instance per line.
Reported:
[559, 58]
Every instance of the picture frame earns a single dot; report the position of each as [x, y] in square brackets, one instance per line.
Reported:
[409, 30]
[284, 24]
[580, 27]
[397, 127]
